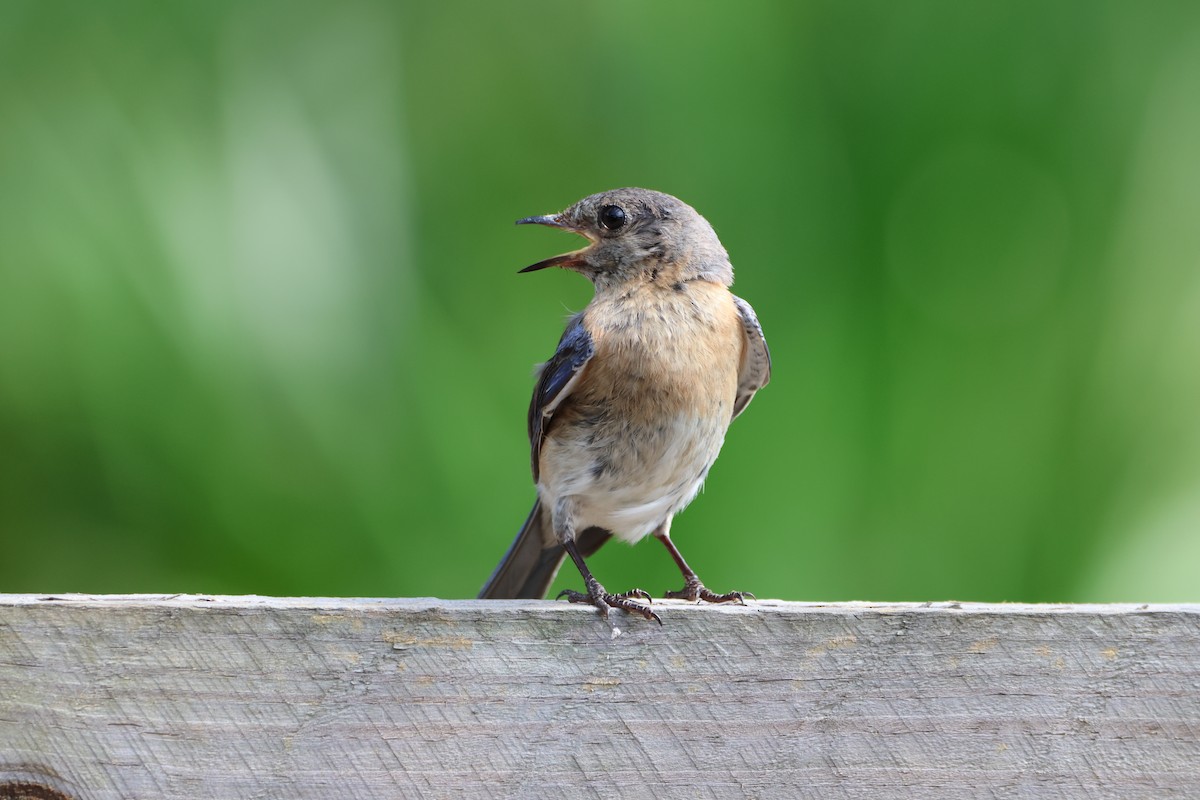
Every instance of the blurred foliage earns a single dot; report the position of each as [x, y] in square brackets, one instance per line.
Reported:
[261, 331]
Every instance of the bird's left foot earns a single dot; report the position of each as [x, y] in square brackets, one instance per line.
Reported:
[696, 592]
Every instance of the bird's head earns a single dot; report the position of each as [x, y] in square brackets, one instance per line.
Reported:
[638, 234]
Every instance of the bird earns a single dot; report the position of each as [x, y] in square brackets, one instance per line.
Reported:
[631, 411]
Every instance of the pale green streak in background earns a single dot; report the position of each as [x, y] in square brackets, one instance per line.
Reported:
[261, 331]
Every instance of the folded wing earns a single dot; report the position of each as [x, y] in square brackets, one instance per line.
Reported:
[755, 370]
[558, 377]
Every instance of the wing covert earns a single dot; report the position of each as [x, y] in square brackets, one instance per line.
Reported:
[755, 371]
[555, 382]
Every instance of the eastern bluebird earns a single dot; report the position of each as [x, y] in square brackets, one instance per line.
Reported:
[630, 413]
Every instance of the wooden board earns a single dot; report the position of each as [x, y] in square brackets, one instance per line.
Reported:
[247, 697]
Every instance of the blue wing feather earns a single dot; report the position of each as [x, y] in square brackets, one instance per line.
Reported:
[575, 349]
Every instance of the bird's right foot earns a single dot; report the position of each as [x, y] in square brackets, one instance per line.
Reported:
[604, 600]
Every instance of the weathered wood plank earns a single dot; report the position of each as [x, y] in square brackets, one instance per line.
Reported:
[245, 697]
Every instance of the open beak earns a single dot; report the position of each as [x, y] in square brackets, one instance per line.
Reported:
[574, 259]
[553, 220]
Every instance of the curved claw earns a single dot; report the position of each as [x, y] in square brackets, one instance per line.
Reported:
[697, 592]
[603, 601]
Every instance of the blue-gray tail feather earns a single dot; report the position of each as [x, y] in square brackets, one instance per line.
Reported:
[529, 567]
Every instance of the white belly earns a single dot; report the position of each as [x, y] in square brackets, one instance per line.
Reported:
[649, 475]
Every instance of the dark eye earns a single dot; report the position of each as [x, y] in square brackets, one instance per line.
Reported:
[611, 217]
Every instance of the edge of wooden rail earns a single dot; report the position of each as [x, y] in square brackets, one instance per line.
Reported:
[508, 607]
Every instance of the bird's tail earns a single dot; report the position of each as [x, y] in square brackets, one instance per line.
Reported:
[528, 568]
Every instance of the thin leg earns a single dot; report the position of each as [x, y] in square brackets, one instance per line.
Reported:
[596, 594]
[693, 589]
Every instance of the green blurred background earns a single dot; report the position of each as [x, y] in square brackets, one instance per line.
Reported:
[261, 329]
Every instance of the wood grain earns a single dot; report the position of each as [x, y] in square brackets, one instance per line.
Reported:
[249, 697]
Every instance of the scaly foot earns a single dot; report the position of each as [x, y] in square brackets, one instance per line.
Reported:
[603, 600]
[696, 592]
